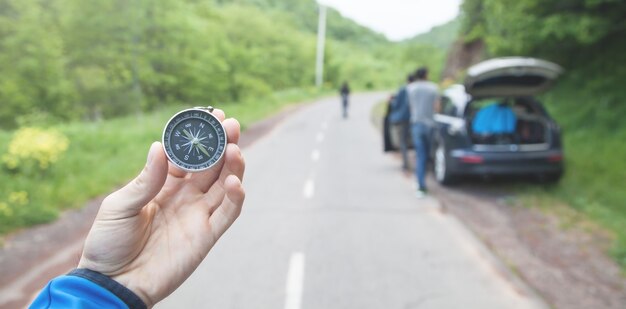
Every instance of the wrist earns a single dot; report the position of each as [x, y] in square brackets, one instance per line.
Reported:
[130, 297]
[128, 283]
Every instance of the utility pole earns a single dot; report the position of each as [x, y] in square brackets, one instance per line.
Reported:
[321, 40]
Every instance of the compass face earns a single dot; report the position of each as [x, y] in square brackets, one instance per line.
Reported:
[194, 140]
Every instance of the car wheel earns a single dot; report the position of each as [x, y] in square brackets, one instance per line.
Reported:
[442, 173]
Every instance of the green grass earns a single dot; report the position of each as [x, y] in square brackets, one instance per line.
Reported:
[594, 135]
[106, 154]
[378, 113]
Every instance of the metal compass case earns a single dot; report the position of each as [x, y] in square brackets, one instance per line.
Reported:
[194, 139]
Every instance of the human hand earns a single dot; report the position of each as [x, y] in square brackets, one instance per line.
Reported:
[153, 233]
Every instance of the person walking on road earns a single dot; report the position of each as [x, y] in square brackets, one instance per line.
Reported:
[399, 118]
[423, 98]
[345, 92]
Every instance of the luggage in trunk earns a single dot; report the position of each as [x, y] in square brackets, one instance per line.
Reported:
[508, 124]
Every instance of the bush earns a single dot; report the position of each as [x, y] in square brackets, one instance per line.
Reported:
[35, 149]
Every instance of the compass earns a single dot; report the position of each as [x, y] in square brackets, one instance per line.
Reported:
[194, 139]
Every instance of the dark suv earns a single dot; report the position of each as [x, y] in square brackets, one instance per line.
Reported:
[532, 144]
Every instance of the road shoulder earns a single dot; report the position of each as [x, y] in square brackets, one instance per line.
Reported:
[567, 267]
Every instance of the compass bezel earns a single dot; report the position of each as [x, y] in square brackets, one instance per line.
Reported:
[221, 149]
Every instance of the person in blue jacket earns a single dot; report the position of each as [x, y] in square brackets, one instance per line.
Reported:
[149, 236]
[399, 118]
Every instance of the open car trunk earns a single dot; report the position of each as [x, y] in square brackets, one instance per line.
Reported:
[510, 76]
[526, 129]
[502, 114]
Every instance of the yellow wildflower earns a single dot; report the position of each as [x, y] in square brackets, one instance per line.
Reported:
[43, 147]
[18, 198]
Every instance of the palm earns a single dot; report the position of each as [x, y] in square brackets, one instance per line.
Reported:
[175, 233]
[154, 249]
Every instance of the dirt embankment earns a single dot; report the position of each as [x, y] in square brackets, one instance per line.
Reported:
[461, 56]
[567, 267]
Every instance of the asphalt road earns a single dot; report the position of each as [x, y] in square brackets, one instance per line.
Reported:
[330, 222]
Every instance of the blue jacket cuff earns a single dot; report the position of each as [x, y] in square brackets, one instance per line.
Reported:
[84, 288]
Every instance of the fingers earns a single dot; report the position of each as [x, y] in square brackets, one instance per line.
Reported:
[175, 172]
[233, 130]
[219, 114]
[231, 125]
[204, 180]
[224, 216]
[232, 164]
[129, 200]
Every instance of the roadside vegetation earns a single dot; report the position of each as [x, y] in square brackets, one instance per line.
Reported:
[72, 60]
[587, 39]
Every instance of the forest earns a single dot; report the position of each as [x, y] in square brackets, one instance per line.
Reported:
[68, 60]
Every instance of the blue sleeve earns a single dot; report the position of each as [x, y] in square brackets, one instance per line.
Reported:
[75, 292]
[86, 289]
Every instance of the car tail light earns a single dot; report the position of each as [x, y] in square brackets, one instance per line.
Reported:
[555, 158]
[472, 159]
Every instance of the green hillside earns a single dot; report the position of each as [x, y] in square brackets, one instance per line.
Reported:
[587, 39]
[70, 59]
[304, 15]
[442, 36]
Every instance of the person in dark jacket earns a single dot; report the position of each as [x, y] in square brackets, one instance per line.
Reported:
[399, 118]
[149, 236]
[345, 92]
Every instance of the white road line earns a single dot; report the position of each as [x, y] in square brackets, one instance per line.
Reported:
[315, 155]
[320, 137]
[309, 189]
[295, 281]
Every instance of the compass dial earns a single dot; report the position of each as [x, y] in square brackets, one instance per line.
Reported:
[194, 140]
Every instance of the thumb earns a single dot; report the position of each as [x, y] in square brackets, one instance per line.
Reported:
[129, 200]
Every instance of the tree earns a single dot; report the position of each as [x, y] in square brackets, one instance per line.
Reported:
[31, 57]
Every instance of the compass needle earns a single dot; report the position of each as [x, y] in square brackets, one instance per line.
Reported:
[203, 150]
[189, 136]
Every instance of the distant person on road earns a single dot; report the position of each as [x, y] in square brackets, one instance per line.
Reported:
[149, 236]
[423, 99]
[400, 117]
[345, 93]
